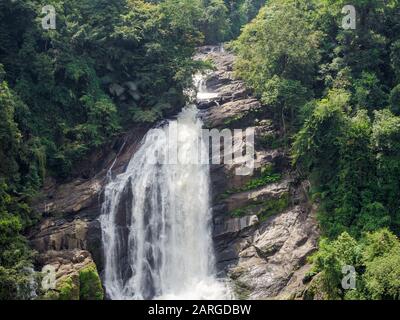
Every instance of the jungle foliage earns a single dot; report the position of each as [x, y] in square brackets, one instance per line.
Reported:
[335, 94]
[106, 67]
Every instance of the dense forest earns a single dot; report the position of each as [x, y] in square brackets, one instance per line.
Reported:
[335, 93]
[107, 66]
[110, 65]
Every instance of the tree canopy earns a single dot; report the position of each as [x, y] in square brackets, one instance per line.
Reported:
[106, 67]
[335, 93]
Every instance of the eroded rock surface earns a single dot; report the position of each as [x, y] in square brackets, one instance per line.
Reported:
[71, 209]
[262, 235]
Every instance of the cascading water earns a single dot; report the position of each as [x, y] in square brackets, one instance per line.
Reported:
[203, 94]
[156, 220]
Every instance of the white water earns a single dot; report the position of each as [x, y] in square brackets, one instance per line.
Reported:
[203, 94]
[156, 222]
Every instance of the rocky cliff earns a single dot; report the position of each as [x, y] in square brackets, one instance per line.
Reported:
[69, 236]
[263, 228]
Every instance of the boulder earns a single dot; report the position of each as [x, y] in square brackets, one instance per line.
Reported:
[266, 258]
[230, 112]
[69, 275]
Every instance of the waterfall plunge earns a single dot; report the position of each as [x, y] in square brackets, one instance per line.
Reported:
[156, 222]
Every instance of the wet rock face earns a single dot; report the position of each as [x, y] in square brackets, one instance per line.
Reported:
[80, 232]
[72, 209]
[264, 234]
[61, 235]
[234, 104]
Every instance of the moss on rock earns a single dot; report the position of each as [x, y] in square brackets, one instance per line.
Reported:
[82, 284]
[90, 284]
[265, 209]
[68, 288]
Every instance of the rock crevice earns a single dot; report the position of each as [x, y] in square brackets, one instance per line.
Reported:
[263, 235]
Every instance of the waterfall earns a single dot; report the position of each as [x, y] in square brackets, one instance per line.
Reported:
[156, 221]
[203, 94]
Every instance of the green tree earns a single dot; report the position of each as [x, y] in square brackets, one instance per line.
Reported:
[386, 144]
[394, 100]
[278, 56]
[215, 23]
[375, 258]
[108, 65]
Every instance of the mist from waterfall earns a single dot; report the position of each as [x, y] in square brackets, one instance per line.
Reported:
[156, 221]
